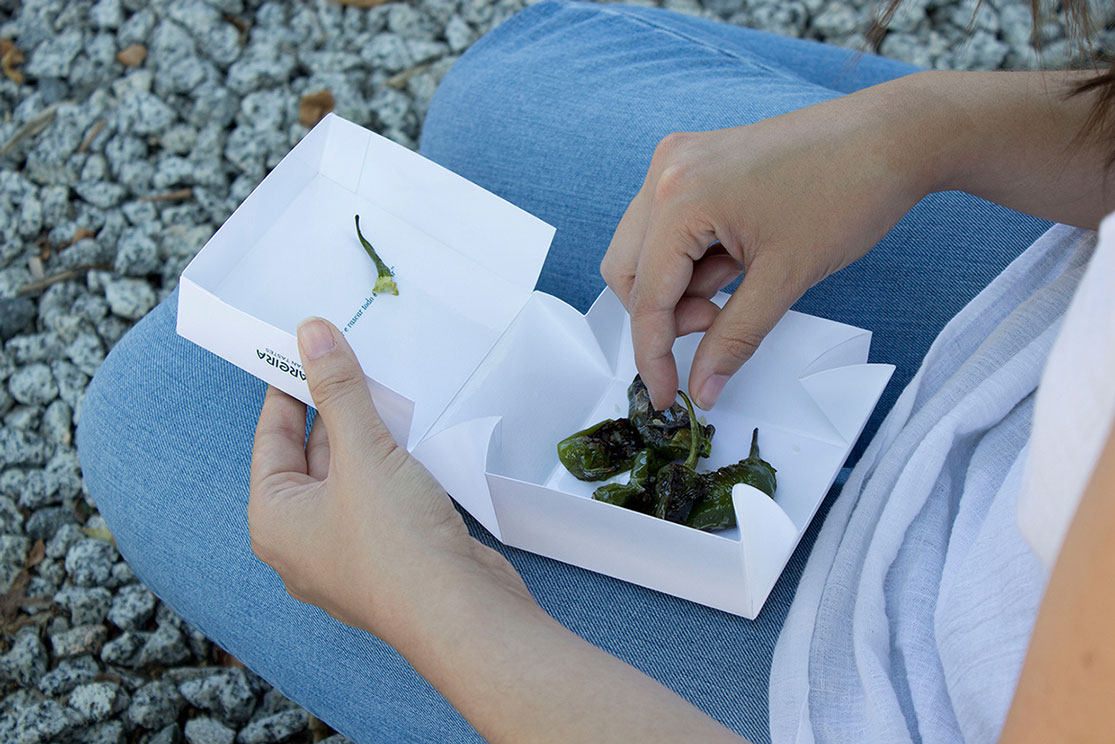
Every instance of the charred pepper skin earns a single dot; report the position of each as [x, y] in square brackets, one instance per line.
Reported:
[715, 510]
[638, 492]
[678, 487]
[666, 431]
[601, 450]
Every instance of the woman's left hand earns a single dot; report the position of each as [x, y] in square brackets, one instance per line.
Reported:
[349, 520]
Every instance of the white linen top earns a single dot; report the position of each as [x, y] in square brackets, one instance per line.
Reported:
[915, 609]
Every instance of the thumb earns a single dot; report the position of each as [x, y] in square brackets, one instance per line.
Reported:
[760, 301]
[340, 391]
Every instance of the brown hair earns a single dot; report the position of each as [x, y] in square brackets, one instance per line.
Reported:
[1101, 121]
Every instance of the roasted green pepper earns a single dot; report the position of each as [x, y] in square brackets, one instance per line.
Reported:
[600, 451]
[385, 279]
[638, 492]
[666, 431]
[715, 511]
[677, 487]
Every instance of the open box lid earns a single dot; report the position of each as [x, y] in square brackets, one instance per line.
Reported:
[466, 261]
[480, 376]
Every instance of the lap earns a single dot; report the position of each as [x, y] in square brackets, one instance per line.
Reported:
[559, 112]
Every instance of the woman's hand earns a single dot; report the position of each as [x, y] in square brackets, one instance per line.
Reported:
[349, 520]
[788, 201]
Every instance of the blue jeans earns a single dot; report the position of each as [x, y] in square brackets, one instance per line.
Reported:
[558, 110]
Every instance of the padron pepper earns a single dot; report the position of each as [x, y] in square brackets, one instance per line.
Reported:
[601, 450]
[667, 431]
[715, 511]
[638, 492]
[678, 486]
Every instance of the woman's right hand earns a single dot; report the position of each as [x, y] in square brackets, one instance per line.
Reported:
[788, 200]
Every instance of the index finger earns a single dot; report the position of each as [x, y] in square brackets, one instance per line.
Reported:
[663, 274]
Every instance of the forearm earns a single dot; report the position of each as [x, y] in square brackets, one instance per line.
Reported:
[1015, 138]
[519, 676]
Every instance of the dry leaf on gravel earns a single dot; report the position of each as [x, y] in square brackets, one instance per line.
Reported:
[314, 106]
[132, 56]
[360, 3]
[11, 58]
[38, 552]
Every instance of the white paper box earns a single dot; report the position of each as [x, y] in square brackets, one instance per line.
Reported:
[481, 377]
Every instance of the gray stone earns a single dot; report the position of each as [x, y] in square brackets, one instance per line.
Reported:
[53, 57]
[63, 473]
[43, 523]
[71, 381]
[30, 217]
[87, 606]
[11, 519]
[111, 330]
[24, 417]
[276, 728]
[101, 194]
[141, 112]
[89, 562]
[787, 18]
[124, 648]
[84, 253]
[51, 570]
[178, 139]
[245, 151]
[122, 574]
[96, 701]
[173, 170]
[246, 75]
[129, 298]
[214, 108]
[222, 46]
[137, 177]
[30, 487]
[387, 52]
[69, 674]
[837, 20]
[33, 385]
[109, 732]
[86, 353]
[205, 730]
[27, 660]
[106, 14]
[982, 51]
[155, 705]
[132, 607]
[79, 641]
[226, 693]
[57, 424]
[170, 734]
[459, 34]
[13, 556]
[166, 646]
[123, 149]
[142, 214]
[95, 168]
[46, 721]
[63, 539]
[17, 315]
[136, 253]
[183, 76]
[136, 29]
[392, 109]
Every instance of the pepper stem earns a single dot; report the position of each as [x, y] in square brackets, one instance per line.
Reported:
[754, 443]
[691, 461]
[385, 281]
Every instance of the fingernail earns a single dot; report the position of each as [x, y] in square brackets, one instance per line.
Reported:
[315, 338]
[710, 391]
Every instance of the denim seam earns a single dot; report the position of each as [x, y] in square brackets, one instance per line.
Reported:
[731, 53]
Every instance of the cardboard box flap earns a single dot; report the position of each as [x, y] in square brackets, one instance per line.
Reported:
[465, 262]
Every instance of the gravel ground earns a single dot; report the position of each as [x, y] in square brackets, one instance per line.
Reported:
[129, 131]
